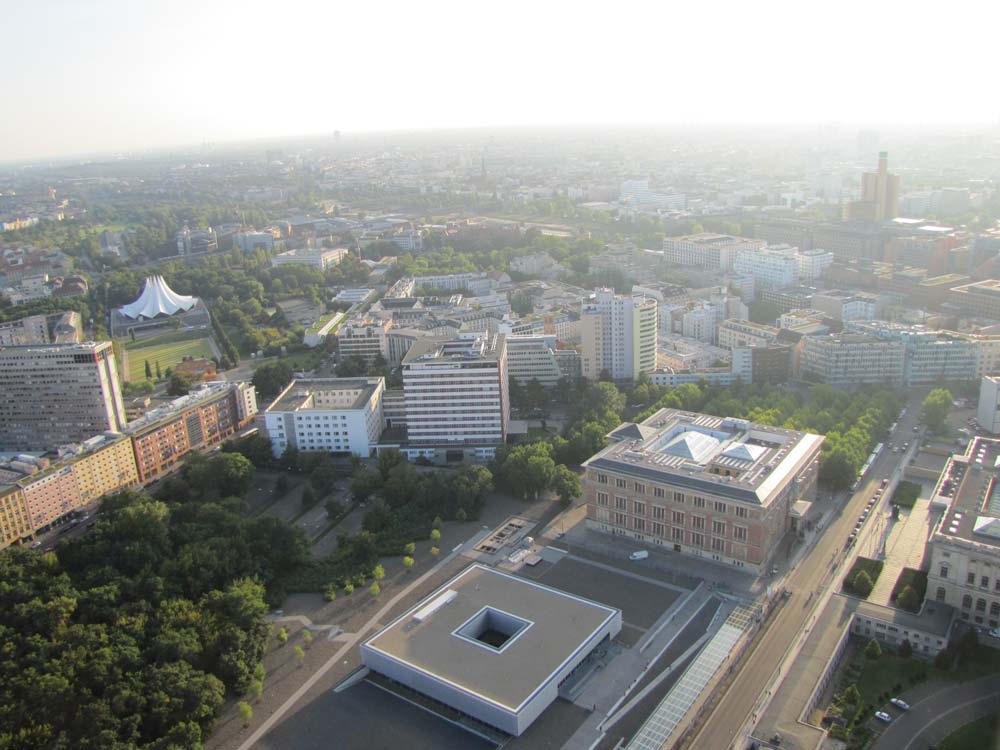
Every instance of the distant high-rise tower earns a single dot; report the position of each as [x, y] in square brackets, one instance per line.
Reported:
[879, 194]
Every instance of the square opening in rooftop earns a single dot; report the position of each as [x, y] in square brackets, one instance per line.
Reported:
[492, 628]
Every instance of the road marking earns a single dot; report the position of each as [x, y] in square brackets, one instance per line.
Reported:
[939, 717]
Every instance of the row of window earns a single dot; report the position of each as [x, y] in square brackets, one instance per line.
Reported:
[970, 579]
[678, 497]
[659, 529]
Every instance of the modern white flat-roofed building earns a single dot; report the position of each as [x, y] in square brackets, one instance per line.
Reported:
[707, 250]
[456, 394]
[618, 335]
[491, 645]
[337, 415]
[706, 486]
[988, 409]
[533, 358]
[321, 258]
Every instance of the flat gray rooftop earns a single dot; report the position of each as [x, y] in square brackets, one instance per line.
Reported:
[558, 626]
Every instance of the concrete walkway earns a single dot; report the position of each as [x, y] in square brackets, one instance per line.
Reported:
[904, 548]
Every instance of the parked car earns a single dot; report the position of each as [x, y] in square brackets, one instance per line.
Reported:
[995, 633]
[883, 716]
[638, 555]
[900, 704]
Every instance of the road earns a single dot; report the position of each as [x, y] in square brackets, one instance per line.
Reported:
[723, 728]
[928, 722]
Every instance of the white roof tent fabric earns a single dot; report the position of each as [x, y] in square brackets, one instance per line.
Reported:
[157, 299]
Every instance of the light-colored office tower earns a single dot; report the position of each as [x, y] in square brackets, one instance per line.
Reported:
[456, 394]
[879, 193]
[365, 337]
[712, 487]
[988, 409]
[618, 334]
[58, 393]
[335, 415]
[533, 358]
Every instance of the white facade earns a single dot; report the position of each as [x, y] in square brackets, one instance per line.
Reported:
[336, 415]
[618, 334]
[476, 283]
[771, 267]
[321, 258]
[711, 251]
[532, 358]
[743, 333]
[851, 359]
[812, 263]
[456, 391]
[988, 410]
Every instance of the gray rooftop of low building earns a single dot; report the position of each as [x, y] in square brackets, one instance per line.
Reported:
[298, 395]
[935, 618]
[427, 638]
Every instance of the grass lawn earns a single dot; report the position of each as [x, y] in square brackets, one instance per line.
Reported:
[873, 568]
[168, 350]
[979, 735]
[906, 494]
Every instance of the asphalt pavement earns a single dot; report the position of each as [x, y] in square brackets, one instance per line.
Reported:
[810, 578]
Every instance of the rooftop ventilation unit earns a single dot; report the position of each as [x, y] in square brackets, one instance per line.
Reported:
[443, 600]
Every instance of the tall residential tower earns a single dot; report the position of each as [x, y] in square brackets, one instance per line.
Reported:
[618, 334]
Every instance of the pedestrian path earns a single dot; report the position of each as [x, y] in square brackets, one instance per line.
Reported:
[904, 548]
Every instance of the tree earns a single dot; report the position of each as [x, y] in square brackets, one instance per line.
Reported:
[407, 562]
[281, 484]
[348, 589]
[410, 548]
[435, 535]
[905, 649]
[908, 599]
[300, 655]
[566, 483]
[873, 651]
[256, 689]
[851, 696]
[333, 508]
[330, 593]
[378, 572]
[309, 498]
[936, 407]
[271, 378]
[246, 713]
[282, 636]
[375, 589]
[179, 384]
[435, 551]
[862, 584]
[352, 367]
[364, 484]
[307, 638]
[159, 374]
[232, 472]
[149, 371]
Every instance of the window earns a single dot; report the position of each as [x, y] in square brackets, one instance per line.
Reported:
[620, 519]
[740, 533]
[944, 571]
[621, 503]
[980, 605]
[741, 512]
[657, 529]
[984, 582]
[678, 518]
[940, 594]
[639, 524]
[678, 497]
[602, 478]
[602, 498]
[966, 601]
[720, 507]
[971, 579]
[658, 492]
[697, 522]
[699, 502]
[698, 540]
[621, 483]
[638, 508]
[640, 488]
[719, 528]
[677, 534]
[995, 609]
[659, 513]
[718, 545]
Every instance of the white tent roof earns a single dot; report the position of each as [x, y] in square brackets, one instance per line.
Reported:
[157, 299]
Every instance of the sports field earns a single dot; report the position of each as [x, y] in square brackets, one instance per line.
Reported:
[168, 350]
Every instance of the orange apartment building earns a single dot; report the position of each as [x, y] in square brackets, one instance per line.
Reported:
[15, 523]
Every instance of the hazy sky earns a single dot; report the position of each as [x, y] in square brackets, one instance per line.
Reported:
[95, 75]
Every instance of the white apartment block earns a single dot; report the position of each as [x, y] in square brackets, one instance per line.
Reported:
[55, 394]
[844, 305]
[532, 358]
[744, 333]
[706, 250]
[988, 410]
[812, 263]
[618, 334]
[456, 396]
[536, 264]
[851, 359]
[335, 415]
[771, 267]
[366, 337]
[476, 283]
[321, 258]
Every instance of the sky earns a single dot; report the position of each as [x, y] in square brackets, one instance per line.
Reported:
[89, 76]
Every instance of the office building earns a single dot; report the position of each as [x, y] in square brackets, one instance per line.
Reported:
[201, 420]
[733, 334]
[57, 328]
[715, 252]
[491, 645]
[879, 194]
[847, 359]
[988, 409]
[15, 523]
[533, 358]
[456, 396]
[366, 337]
[965, 542]
[249, 241]
[333, 415]
[320, 257]
[772, 267]
[846, 306]
[980, 299]
[719, 488]
[618, 335]
[58, 393]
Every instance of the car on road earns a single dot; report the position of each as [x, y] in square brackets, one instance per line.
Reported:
[638, 555]
[995, 633]
[36, 544]
[916, 428]
[900, 704]
[883, 716]
[885, 481]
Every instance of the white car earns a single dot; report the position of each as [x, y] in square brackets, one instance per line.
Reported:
[900, 704]
[883, 716]
[639, 555]
[995, 633]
